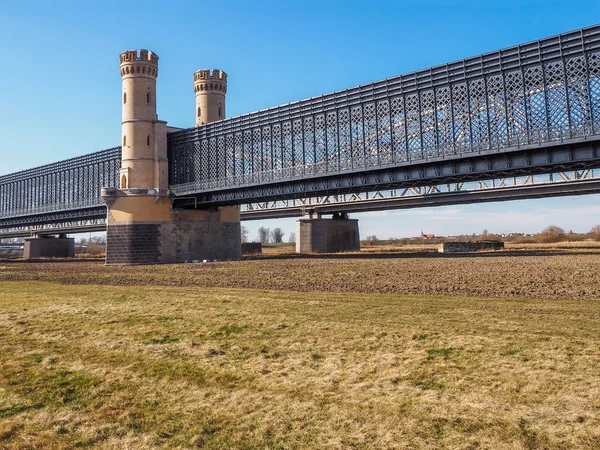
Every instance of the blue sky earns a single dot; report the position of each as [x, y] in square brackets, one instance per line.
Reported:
[60, 84]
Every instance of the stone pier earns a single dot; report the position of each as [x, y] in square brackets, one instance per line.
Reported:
[49, 247]
[318, 235]
[144, 229]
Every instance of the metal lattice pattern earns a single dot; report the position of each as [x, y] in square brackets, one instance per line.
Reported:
[535, 93]
[62, 186]
[583, 181]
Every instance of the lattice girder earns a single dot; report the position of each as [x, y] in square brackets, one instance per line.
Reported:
[535, 93]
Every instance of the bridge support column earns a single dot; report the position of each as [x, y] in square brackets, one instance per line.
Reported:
[144, 229]
[317, 235]
[49, 247]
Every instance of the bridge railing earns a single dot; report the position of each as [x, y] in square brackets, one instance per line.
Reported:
[535, 93]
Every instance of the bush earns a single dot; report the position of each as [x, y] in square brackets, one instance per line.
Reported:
[371, 240]
[575, 237]
[551, 234]
[524, 240]
[595, 233]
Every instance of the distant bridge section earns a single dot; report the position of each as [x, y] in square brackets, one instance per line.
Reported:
[530, 108]
[59, 192]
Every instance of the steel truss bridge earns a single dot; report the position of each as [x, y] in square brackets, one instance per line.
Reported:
[577, 182]
[527, 110]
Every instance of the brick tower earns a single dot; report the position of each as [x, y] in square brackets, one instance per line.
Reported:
[144, 143]
[210, 88]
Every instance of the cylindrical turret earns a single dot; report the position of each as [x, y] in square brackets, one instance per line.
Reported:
[210, 87]
[138, 72]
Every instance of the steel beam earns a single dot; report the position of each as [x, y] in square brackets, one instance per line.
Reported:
[582, 187]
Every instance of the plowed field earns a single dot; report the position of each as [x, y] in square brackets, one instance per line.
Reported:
[536, 274]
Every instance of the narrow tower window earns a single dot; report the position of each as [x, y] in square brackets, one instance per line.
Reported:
[124, 97]
[123, 182]
[148, 140]
[148, 97]
[124, 141]
[199, 112]
[220, 113]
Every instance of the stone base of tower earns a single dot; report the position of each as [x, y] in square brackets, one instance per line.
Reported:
[49, 247]
[327, 235]
[143, 229]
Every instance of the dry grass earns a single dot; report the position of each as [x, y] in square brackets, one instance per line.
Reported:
[395, 248]
[508, 245]
[145, 365]
[553, 245]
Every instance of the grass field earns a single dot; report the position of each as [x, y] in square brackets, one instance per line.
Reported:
[408, 350]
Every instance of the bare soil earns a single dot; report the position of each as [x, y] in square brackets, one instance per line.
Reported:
[539, 273]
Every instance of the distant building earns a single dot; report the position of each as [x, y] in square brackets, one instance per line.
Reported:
[427, 236]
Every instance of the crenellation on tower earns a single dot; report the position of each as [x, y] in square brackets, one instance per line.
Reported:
[143, 63]
[210, 74]
[139, 55]
[210, 87]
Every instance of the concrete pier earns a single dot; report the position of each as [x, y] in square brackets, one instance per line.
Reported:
[49, 247]
[317, 235]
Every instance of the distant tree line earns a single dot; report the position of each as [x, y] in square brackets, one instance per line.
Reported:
[550, 234]
[268, 236]
[100, 240]
[93, 245]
